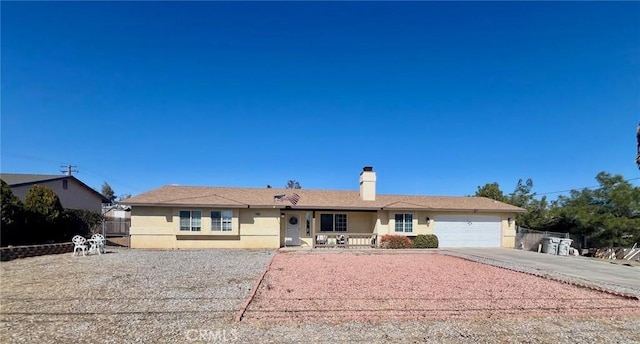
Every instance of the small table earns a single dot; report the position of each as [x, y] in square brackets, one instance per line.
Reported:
[95, 245]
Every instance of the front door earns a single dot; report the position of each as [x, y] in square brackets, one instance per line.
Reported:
[292, 232]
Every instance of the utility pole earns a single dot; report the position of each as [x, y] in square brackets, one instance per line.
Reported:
[69, 169]
[638, 137]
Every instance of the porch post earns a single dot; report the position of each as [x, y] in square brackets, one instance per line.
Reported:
[313, 229]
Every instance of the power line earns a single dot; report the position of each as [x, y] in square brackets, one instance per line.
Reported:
[28, 157]
[84, 170]
[582, 188]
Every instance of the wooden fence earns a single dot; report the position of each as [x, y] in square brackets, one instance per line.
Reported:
[529, 239]
[117, 227]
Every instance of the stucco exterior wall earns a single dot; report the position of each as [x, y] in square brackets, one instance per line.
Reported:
[385, 224]
[382, 223]
[508, 231]
[75, 196]
[159, 227]
[357, 222]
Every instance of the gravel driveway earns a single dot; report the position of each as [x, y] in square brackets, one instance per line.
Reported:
[184, 296]
[359, 286]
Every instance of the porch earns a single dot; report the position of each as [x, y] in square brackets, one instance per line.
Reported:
[329, 228]
[345, 240]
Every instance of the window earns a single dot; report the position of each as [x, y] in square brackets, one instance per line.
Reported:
[333, 222]
[190, 220]
[341, 223]
[221, 220]
[65, 184]
[326, 222]
[404, 223]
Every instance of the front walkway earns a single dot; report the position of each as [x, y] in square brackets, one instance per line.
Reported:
[590, 271]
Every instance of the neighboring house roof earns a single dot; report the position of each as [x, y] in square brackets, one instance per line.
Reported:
[190, 196]
[21, 179]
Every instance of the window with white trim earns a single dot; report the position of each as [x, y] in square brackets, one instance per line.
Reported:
[190, 220]
[333, 222]
[404, 223]
[221, 220]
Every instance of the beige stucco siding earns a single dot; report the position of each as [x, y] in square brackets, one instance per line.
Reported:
[260, 222]
[360, 222]
[151, 220]
[385, 224]
[153, 241]
[357, 222]
[159, 227]
[382, 223]
[508, 231]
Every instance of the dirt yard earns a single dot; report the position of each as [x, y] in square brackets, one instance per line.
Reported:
[193, 296]
[350, 286]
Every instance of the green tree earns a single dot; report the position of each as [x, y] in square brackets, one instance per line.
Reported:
[12, 216]
[491, 190]
[537, 215]
[522, 195]
[108, 192]
[43, 213]
[608, 215]
[293, 184]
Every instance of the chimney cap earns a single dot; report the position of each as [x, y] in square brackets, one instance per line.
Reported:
[367, 169]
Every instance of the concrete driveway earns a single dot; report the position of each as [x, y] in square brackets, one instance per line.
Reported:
[589, 271]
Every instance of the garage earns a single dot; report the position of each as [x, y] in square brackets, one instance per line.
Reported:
[468, 231]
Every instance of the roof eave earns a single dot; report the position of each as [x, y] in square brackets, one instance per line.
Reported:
[185, 205]
[458, 210]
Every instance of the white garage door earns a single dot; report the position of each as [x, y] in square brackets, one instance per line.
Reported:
[468, 231]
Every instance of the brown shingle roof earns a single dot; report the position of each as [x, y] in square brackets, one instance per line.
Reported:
[172, 195]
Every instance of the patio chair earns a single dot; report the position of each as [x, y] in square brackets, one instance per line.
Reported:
[79, 244]
[97, 243]
[321, 239]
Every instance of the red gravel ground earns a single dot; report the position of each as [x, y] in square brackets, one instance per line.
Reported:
[303, 286]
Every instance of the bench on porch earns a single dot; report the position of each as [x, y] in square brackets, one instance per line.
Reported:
[346, 240]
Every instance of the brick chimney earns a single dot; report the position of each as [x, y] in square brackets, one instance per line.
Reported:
[367, 184]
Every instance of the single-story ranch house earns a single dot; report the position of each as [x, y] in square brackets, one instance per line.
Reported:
[225, 217]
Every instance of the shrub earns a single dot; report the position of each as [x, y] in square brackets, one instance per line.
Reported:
[43, 213]
[395, 241]
[425, 241]
[79, 222]
[12, 216]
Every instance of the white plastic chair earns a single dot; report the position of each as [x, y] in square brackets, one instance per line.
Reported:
[97, 243]
[79, 243]
[321, 239]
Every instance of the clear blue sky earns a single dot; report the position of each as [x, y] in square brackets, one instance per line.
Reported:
[438, 97]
